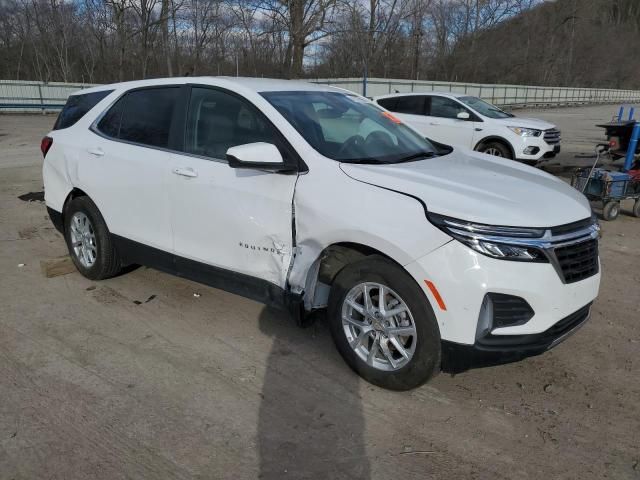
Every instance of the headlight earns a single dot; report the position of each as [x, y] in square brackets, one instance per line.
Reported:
[526, 132]
[506, 243]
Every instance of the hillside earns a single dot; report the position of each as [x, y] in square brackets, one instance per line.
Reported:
[584, 43]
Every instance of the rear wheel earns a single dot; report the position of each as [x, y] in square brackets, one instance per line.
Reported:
[611, 210]
[636, 208]
[497, 149]
[89, 241]
[383, 324]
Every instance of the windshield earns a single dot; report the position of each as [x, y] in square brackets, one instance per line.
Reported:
[484, 108]
[348, 128]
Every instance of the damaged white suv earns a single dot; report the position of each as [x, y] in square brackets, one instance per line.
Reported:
[307, 197]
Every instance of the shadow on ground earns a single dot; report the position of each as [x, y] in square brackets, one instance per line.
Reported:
[307, 431]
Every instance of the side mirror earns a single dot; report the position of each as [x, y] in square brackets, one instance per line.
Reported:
[463, 116]
[257, 156]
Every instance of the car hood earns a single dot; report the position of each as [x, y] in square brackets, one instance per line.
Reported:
[523, 122]
[480, 188]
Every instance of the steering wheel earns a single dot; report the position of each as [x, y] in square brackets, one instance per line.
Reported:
[354, 141]
[379, 138]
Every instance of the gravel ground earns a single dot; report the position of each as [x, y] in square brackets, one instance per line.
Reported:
[135, 377]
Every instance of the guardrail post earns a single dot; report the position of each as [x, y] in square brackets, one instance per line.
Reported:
[41, 99]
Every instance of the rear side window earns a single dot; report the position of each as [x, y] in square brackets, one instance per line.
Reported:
[413, 105]
[77, 106]
[388, 103]
[142, 116]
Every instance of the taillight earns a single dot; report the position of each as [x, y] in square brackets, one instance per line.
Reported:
[45, 145]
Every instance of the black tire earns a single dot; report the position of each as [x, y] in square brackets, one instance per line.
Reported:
[497, 149]
[611, 210]
[636, 208]
[107, 263]
[426, 360]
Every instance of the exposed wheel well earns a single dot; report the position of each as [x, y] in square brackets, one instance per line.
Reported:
[74, 193]
[329, 263]
[499, 140]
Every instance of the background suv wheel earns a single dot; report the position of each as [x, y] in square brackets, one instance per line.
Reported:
[496, 148]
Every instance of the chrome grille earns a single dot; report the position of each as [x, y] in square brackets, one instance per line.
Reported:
[552, 136]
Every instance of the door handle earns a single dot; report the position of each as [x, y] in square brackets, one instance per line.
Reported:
[434, 124]
[185, 172]
[98, 152]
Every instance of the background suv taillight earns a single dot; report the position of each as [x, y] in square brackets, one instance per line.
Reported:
[45, 145]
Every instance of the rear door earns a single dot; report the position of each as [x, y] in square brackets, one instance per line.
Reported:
[126, 164]
[445, 126]
[235, 220]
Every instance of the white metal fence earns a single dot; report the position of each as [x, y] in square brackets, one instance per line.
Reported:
[21, 96]
[503, 95]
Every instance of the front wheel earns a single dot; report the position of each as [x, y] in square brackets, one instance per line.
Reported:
[383, 325]
[496, 149]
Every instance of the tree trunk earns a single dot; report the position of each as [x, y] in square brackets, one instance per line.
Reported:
[298, 38]
[164, 15]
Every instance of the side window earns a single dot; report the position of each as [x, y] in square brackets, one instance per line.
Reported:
[411, 104]
[445, 107]
[388, 103]
[147, 115]
[110, 123]
[218, 121]
[142, 116]
[77, 106]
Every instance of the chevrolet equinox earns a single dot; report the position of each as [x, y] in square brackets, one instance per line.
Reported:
[310, 197]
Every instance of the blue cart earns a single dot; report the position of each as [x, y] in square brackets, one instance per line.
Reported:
[608, 186]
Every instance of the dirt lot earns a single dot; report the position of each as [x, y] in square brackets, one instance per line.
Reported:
[135, 377]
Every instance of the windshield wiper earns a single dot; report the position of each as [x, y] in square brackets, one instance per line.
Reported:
[502, 111]
[415, 156]
[364, 161]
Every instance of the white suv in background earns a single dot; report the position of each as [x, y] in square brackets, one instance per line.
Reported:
[309, 197]
[465, 121]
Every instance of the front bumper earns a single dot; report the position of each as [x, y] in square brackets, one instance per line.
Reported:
[464, 277]
[499, 349]
[537, 145]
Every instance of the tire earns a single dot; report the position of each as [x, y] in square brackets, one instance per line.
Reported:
[611, 210]
[636, 208]
[497, 149]
[84, 224]
[423, 347]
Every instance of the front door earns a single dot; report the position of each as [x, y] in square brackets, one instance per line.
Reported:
[235, 220]
[445, 126]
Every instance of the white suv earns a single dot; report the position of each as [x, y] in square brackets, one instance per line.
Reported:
[465, 121]
[307, 197]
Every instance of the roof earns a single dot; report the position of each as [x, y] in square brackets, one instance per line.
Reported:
[429, 92]
[248, 83]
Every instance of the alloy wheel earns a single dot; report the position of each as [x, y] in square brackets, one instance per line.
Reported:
[379, 326]
[83, 239]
